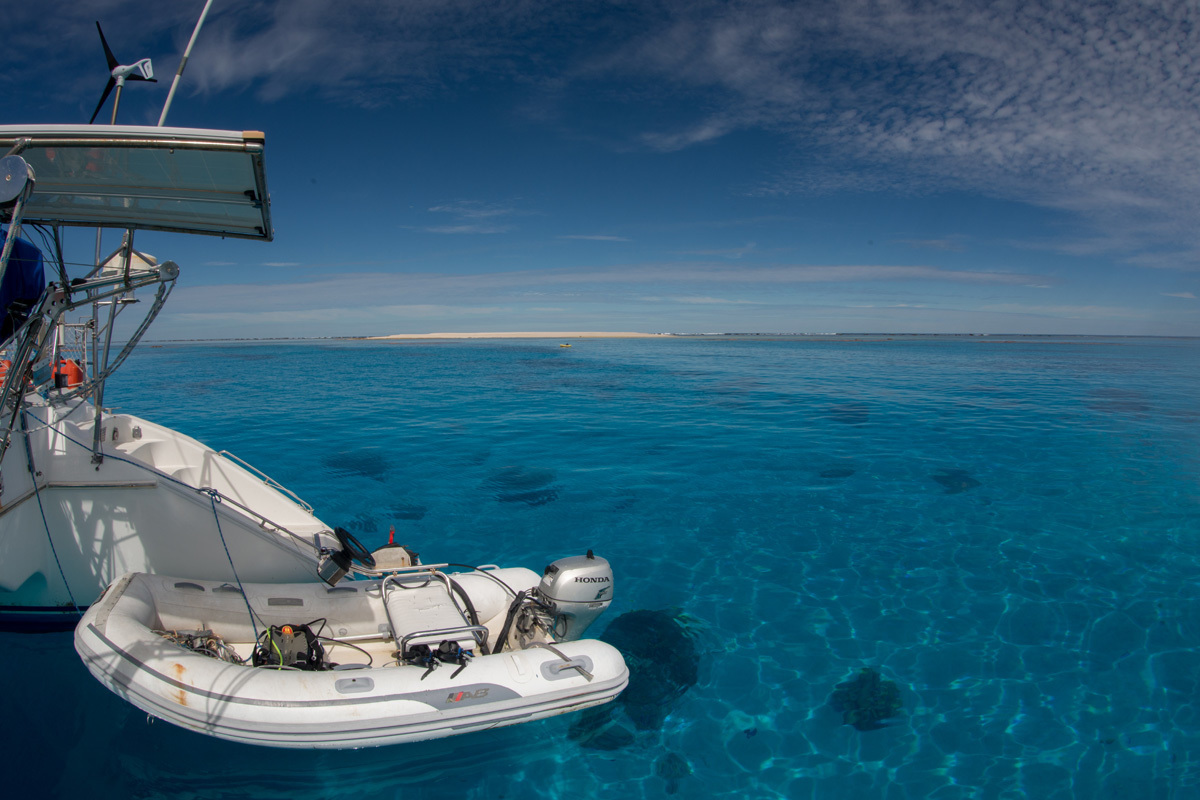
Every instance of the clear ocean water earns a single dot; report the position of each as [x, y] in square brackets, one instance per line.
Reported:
[1009, 530]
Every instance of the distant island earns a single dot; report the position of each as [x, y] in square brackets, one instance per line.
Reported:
[834, 337]
[526, 335]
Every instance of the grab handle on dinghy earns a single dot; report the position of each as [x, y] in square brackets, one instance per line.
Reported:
[570, 663]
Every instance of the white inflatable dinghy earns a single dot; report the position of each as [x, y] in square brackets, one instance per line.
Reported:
[418, 654]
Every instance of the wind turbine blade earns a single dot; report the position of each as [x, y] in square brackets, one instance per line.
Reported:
[112, 60]
[107, 90]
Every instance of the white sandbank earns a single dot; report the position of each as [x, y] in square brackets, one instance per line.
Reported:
[527, 335]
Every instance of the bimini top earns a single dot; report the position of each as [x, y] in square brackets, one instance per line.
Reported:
[186, 180]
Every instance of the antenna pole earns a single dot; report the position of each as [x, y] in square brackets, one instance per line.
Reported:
[117, 99]
[183, 63]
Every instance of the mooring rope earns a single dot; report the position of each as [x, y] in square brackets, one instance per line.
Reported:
[214, 498]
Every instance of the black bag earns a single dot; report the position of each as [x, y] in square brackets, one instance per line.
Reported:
[294, 646]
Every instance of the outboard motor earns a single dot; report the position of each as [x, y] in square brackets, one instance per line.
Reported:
[572, 593]
[577, 590]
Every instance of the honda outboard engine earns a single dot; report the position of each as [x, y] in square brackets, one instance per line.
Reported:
[577, 589]
[572, 593]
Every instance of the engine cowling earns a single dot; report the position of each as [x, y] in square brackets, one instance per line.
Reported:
[577, 589]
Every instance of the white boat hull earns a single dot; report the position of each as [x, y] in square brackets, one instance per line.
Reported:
[144, 508]
[85, 497]
[337, 708]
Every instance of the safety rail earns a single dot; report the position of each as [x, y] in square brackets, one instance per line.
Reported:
[415, 568]
[264, 522]
[268, 480]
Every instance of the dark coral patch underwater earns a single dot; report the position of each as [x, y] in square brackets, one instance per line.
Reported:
[955, 481]
[660, 651]
[867, 702]
[837, 472]
[672, 768]
[850, 413]
[522, 485]
[363, 462]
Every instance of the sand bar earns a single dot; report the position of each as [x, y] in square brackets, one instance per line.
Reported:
[527, 335]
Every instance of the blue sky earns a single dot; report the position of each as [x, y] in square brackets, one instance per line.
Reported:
[987, 167]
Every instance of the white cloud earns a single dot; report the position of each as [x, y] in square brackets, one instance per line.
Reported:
[1184, 295]
[482, 229]
[473, 209]
[711, 301]
[596, 237]
[559, 285]
[730, 252]
[951, 244]
[703, 132]
[1102, 313]
[472, 217]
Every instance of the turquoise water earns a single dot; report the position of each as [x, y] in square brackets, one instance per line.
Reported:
[1008, 530]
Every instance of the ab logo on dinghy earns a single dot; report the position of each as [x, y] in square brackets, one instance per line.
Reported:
[458, 697]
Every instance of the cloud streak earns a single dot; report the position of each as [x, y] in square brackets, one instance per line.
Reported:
[472, 217]
[677, 281]
[1077, 106]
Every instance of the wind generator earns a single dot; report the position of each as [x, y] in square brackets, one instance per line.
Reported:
[141, 70]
